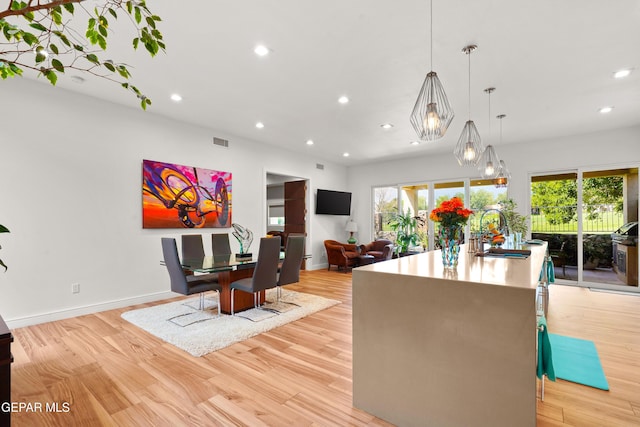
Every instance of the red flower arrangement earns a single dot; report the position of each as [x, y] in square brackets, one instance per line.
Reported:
[451, 213]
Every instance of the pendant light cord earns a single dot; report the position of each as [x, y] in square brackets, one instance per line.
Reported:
[469, 53]
[431, 35]
[489, 92]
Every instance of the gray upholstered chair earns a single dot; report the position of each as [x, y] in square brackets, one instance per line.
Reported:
[381, 249]
[265, 273]
[290, 269]
[192, 247]
[183, 284]
[220, 244]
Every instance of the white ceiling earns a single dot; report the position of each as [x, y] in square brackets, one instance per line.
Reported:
[551, 63]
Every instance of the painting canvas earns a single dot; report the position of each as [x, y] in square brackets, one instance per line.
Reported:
[176, 196]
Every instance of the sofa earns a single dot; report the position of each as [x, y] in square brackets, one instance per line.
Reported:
[381, 249]
[341, 254]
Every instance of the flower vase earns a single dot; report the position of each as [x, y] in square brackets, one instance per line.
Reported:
[450, 239]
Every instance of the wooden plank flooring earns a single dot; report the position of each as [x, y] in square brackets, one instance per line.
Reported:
[114, 374]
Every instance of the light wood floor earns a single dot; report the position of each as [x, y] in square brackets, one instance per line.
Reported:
[112, 373]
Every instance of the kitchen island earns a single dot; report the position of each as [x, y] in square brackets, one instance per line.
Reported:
[433, 347]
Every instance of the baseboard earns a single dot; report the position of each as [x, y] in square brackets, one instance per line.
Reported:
[318, 267]
[21, 322]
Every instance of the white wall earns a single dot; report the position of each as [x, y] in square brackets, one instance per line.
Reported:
[619, 148]
[70, 170]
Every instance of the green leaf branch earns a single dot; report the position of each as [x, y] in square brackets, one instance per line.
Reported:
[39, 35]
[3, 229]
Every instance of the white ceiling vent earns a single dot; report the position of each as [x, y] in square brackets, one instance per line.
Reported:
[320, 166]
[221, 142]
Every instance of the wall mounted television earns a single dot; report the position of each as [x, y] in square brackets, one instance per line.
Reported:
[329, 202]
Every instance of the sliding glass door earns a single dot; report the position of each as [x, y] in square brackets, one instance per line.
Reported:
[385, 205]
[578, 213]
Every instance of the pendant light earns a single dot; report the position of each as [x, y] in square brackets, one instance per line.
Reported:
[432, 114]
[489, 162]
[503, 177]
[469, 145]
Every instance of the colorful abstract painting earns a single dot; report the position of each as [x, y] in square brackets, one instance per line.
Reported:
[176, 196]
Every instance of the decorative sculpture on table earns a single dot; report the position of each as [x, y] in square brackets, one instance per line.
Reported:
[245, 238]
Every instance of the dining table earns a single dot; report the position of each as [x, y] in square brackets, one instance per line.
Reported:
[229, 268]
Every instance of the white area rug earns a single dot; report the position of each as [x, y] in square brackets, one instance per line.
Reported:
[180, 323]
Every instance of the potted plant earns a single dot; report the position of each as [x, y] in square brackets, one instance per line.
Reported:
[423, 237]
[516, 222]
[405, 226]
[3, 229]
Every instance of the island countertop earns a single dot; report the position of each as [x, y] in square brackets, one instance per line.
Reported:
[512, 272]
[442, 347]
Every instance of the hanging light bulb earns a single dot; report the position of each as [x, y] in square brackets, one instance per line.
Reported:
[432, 114]
[502, 178]
[489, 163]
[469, 146]
[432, 120]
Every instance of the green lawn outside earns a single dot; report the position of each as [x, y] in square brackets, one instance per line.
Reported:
[605, 223]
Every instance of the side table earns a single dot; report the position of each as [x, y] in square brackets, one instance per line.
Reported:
[365, 260]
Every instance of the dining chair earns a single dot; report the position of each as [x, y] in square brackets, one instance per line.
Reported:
[220, 244]
[192, 247]
[290, 269]
[265, 273]
[182, 283]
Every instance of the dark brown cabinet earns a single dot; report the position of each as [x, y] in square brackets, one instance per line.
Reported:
[5, 373]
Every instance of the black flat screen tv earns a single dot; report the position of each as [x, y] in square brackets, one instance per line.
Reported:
[329, 202]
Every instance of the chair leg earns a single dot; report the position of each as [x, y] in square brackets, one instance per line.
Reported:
[218, 302]
[232, 294]
[201, 305]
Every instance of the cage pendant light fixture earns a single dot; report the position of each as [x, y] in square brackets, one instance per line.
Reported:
[432, 114]
[469, 146]
[489, 163]
[502, 178]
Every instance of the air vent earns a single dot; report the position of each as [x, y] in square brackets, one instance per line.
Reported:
[220, 142]
[320, 166]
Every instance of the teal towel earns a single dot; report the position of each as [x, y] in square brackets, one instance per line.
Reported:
[545, 362]
[551, 271]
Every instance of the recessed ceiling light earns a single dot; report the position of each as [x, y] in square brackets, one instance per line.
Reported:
[415, 143]
[605, 110]
[261, 50]
[309, 142]
[259, 125]
[343, 100]
[386, 126]
[176, 97]
[621, 73]
[345, 154]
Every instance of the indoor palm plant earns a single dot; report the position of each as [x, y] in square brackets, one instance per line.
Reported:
[405, 225]
[3, 229]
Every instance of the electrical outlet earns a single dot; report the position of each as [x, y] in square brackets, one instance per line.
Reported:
[75, 288]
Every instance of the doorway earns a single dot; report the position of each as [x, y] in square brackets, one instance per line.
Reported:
[286, 206]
